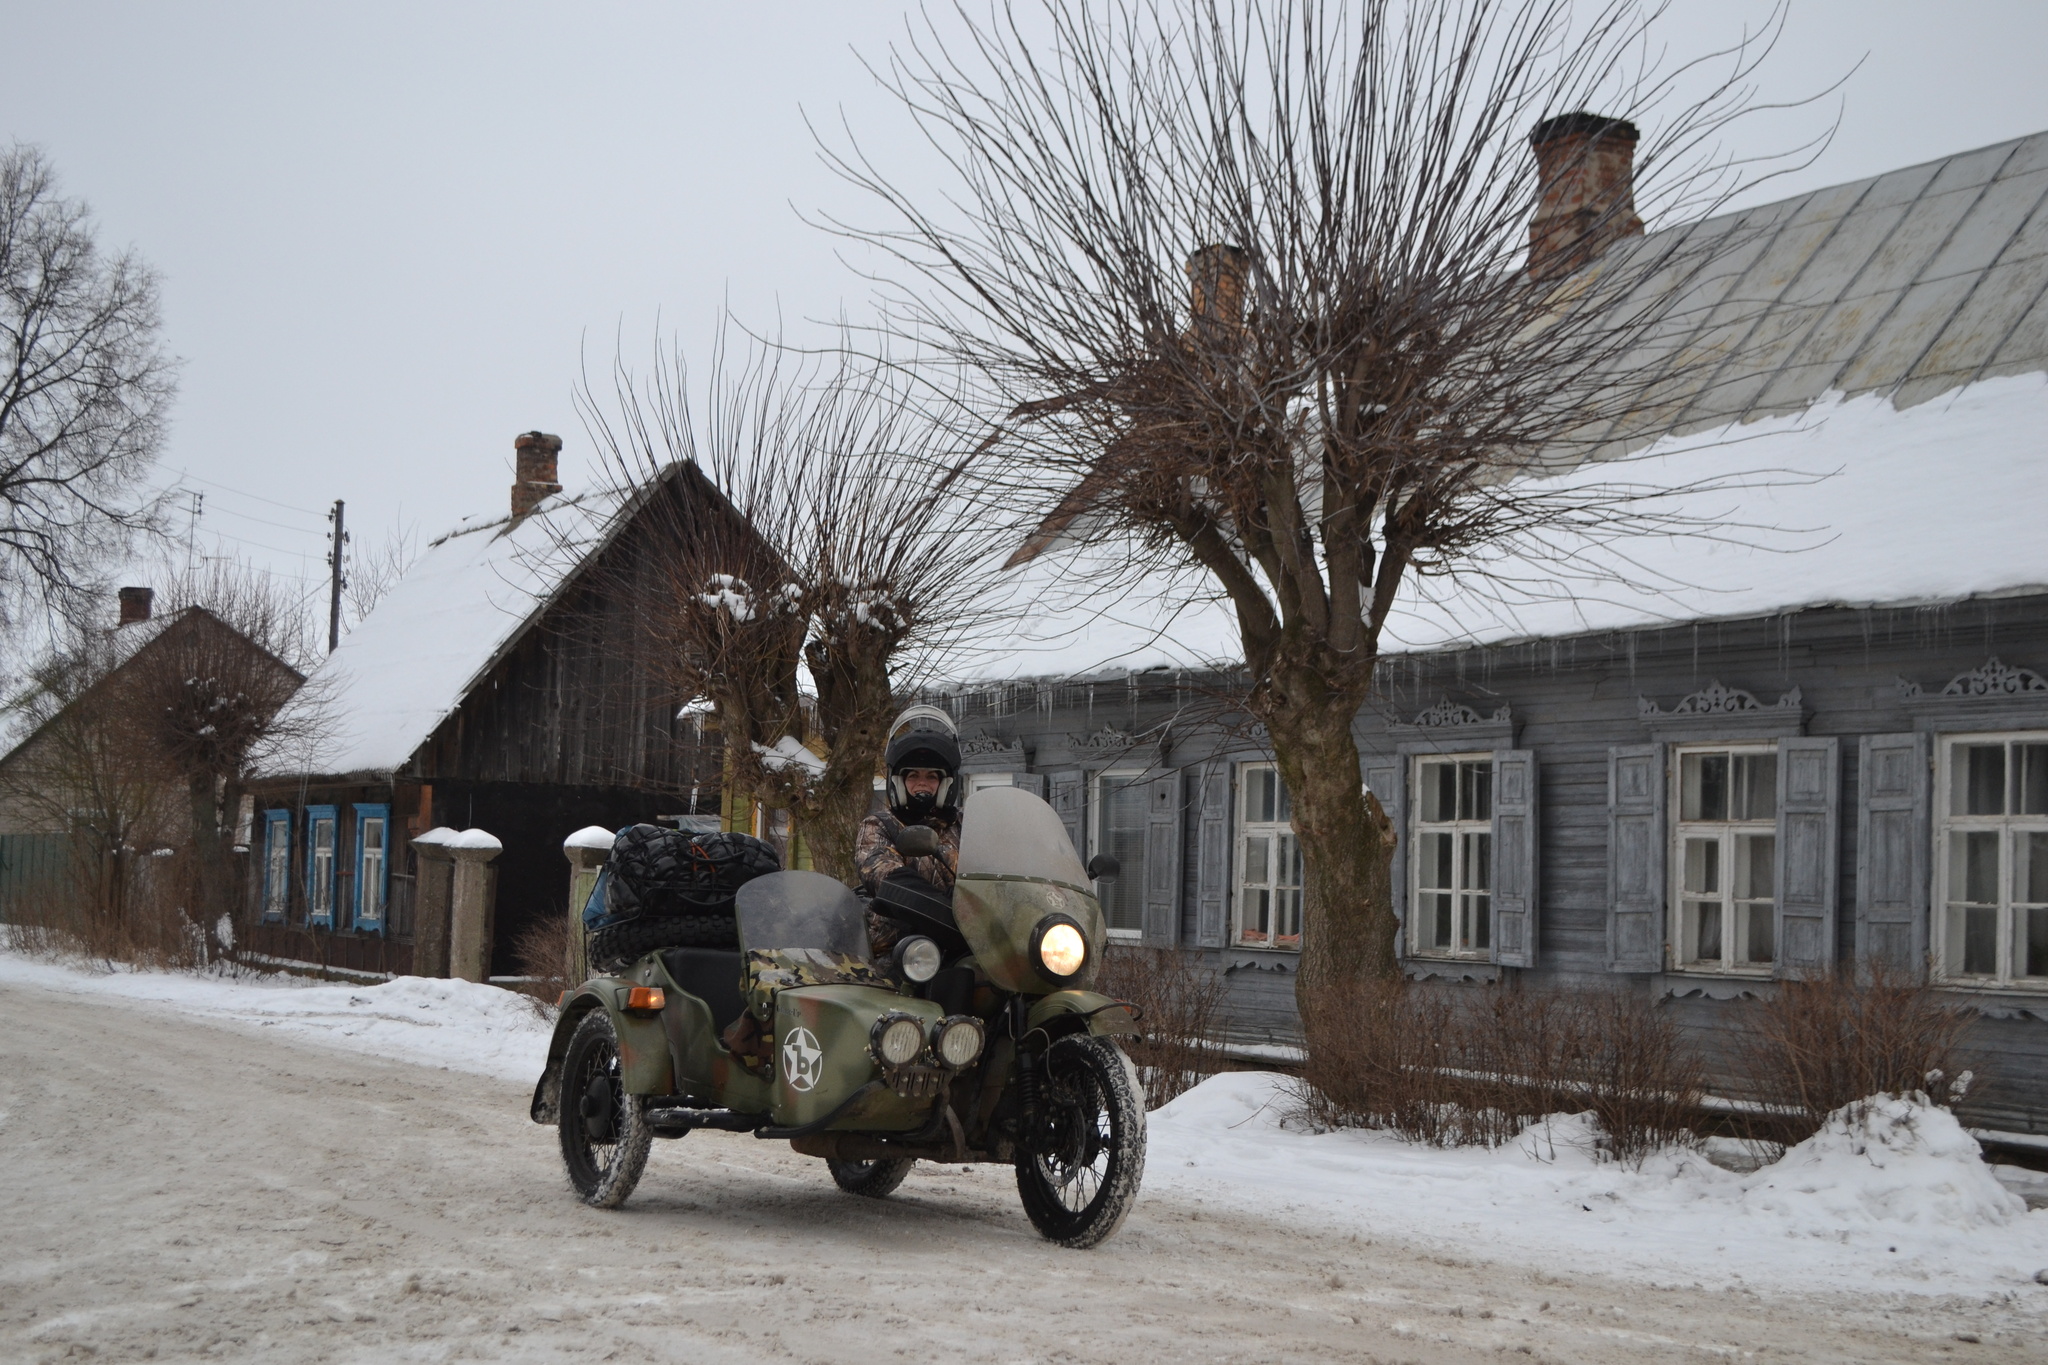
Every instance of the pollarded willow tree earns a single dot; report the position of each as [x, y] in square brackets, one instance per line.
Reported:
[1275, 295]
[821, 529]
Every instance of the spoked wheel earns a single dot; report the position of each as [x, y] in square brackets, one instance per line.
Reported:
[1087, 1154]
[604, 1130]
[875, 1179]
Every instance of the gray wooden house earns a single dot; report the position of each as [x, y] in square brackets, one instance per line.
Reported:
[1791, 756]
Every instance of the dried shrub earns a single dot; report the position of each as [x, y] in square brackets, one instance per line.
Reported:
[542, 951]
[1821, 1043]
[1179, 1002]
[1454, 1067]
[125, 905]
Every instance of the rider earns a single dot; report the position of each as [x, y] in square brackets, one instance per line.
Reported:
[923, 763]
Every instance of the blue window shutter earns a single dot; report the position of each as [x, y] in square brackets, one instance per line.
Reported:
[1809, 801]
[1516, 836]
[376, 896]
[277, 838]
[1635, 858]
[1386, 778]
[1893, 844]
[1162, 860]
[318, 882]
[1212, 855]
[1069, 801]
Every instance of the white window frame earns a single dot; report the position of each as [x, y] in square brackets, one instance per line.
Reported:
[1419, 919]
[1243, 831]
[1127, 878]
[975, 782]
[1729, 834]
[2008, 827]
[277, 866]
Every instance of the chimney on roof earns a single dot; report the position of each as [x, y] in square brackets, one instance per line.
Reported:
[1216, 285]
[136, 604]
[1585, 191]
[534, 454]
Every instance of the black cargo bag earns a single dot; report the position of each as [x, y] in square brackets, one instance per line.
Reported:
[671, 872]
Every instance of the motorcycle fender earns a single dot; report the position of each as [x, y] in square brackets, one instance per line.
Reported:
[822, 1056]
[547, 1095]
[1065, 1012]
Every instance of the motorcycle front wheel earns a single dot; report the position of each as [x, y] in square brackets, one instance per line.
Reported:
[604, 1131]
[1086, 1156]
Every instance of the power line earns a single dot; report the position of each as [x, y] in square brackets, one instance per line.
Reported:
[228, 488]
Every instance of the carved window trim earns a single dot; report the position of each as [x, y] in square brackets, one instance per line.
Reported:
[1453, 728]
[1719, 714]
[1993, 696]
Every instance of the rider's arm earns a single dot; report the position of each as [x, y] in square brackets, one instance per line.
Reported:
[874, 854]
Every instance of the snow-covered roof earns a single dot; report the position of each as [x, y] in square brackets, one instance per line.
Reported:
[1878, 431]
[440, 629]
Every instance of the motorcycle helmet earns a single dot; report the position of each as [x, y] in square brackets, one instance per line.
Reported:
[922, 737]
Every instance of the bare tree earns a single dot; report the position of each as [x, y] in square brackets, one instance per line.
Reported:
[84, 389]
[823, 529]
[1258, 286]
[374, 571]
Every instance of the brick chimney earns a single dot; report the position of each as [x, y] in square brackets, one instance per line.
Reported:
[535, 454]
[1216, 284]
[136, 604]
[1585, 191]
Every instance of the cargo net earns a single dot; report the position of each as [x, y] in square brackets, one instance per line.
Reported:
[668, 873]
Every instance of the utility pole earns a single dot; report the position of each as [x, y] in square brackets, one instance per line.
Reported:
[334, 580]
[192, 531]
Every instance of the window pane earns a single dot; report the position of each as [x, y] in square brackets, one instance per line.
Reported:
[279, 889]
[1257, 860]
[1475, 791]
[1439, 792]
[1703, 866]
[1258, 795]
[2034, 958]
[1287, 916]
[1434, 865]
[1978, 781]
[1757, 941]
[2030, 873]
[1289, 865]
[1980, 941]
[1756, 787]
[1704, 787]
[1756, 866]
[1482, 922]
[1437, 906]
[2032, 760]
[1707, 930]
[1477, 872]
[1973, 866]
[1258, 924]
[1283, 805]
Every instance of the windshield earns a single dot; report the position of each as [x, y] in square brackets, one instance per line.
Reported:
[1006, 831]
[791, 910]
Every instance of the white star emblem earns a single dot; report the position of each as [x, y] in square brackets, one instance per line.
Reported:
[803, 1061]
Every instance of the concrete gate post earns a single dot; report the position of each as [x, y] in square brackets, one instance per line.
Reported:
[471, 903]
[434, 869]
[587, 850]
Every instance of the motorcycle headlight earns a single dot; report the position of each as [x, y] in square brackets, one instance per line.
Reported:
[1059, 946]
[959, 1041]
[897, 1039]
[918, 958]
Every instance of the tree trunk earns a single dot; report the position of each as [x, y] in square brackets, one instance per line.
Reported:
[209, 864]
[1348, 928]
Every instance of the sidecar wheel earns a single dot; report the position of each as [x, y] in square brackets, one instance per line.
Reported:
[604, 1131]
[1088, 1150]
[874, 1179]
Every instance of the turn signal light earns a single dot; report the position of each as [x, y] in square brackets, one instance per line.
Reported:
[645, 998]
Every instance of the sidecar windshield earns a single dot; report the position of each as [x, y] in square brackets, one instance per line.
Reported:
[784, 911]
[1006, 831]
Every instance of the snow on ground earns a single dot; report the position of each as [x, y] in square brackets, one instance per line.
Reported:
[1900, 1199]
[459, 1025]
[1897, 1199]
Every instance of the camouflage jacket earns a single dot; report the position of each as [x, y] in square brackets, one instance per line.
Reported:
[876, 856]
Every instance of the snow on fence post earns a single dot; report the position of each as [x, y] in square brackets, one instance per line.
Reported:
[434, 872]
[469, 909]
[587, 850]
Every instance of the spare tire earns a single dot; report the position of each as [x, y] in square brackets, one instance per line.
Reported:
[616, 947]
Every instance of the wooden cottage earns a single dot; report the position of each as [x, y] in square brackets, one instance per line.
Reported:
[503, 685]
[1823, 746]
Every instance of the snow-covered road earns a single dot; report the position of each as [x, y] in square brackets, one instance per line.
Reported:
[234, 1185]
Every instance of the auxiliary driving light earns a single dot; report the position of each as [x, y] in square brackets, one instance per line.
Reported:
[1059, 946]
[959, 1041]
[919, 959]
[897, 1039]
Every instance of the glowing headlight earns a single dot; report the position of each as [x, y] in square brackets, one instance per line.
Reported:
[898, 1038]
[959, 1041]
[919, 959]
[1061, 948]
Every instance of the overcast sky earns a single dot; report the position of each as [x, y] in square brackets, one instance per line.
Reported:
[389, 233]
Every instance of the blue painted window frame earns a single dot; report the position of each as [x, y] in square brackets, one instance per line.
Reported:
[277, 834]
[314, 815]
[375, 919]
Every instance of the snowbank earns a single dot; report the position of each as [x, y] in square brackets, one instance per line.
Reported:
[1893, 1195]
[459, 1025]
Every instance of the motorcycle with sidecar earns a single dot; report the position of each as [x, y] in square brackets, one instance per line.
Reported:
[978, 1040]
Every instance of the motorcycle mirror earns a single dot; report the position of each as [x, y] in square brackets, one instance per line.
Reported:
[917, 841]
[1104, 868]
